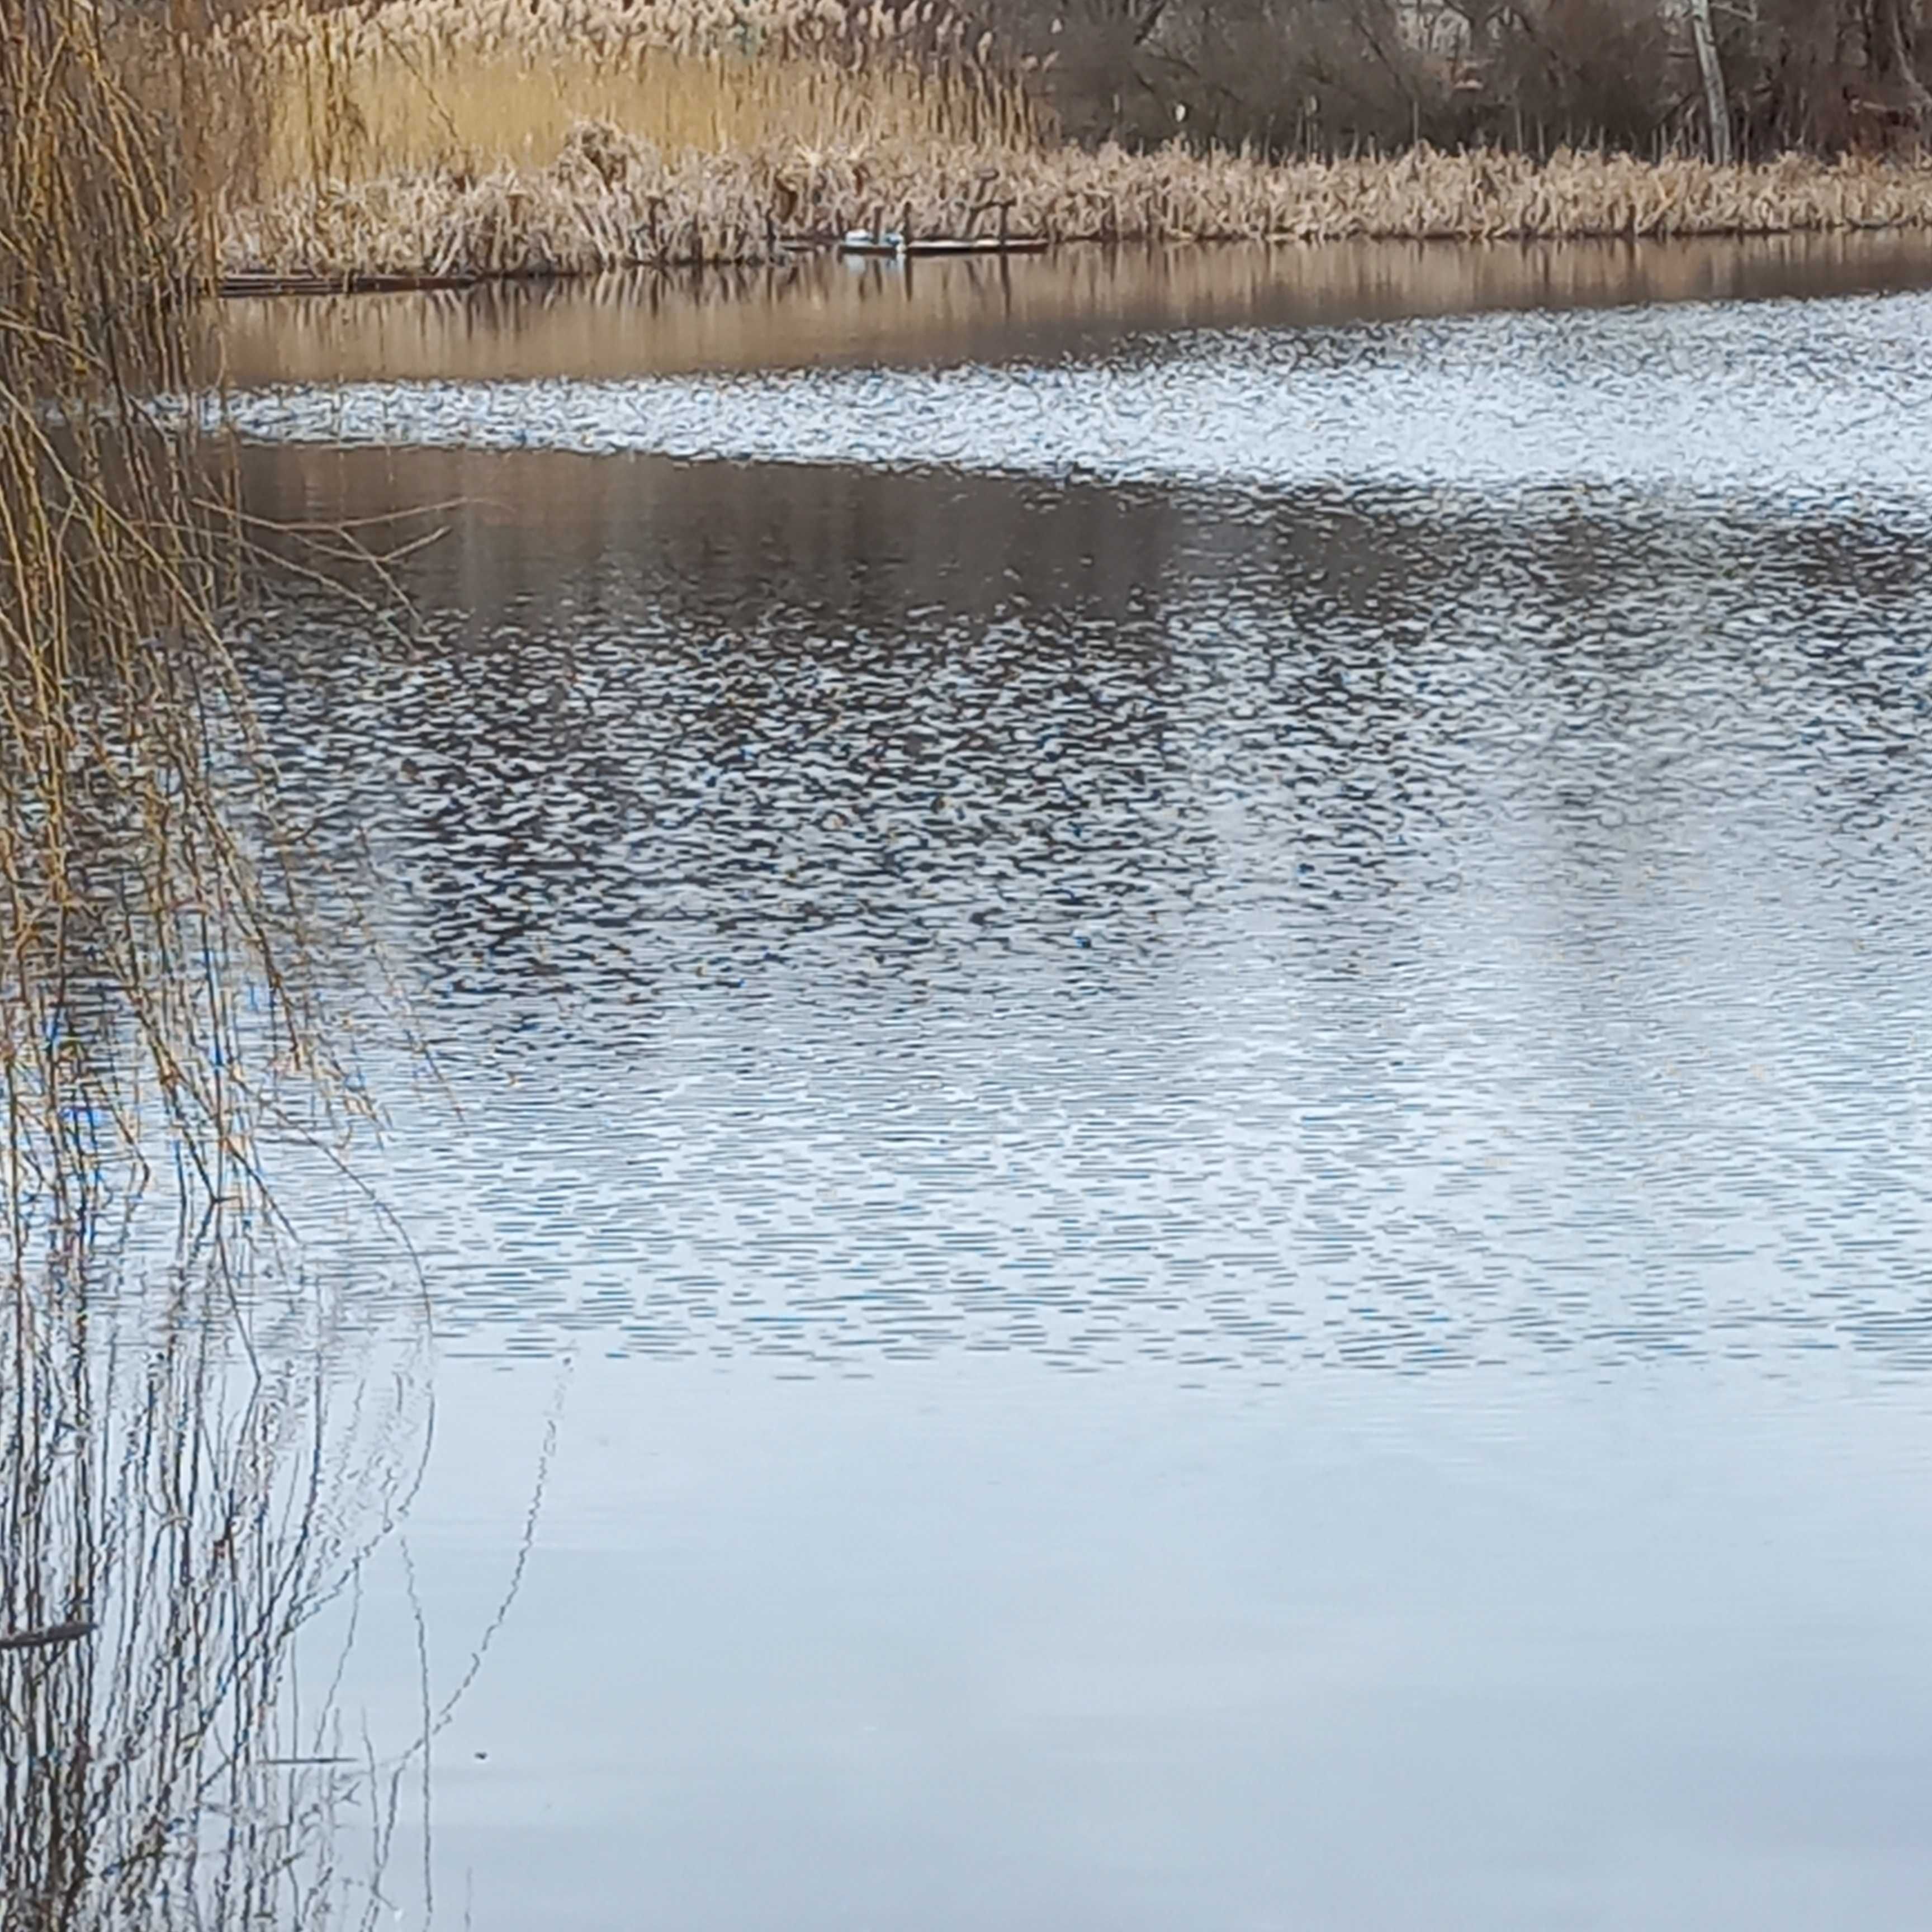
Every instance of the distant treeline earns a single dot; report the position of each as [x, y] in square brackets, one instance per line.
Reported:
[1747, 79]
[1750, 78]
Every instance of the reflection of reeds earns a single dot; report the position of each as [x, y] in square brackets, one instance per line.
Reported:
[614, 327]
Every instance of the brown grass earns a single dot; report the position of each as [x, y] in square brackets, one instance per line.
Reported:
[173, 1524]
[468, 88]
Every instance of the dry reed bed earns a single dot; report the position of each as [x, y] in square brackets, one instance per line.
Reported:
[468, 86]
[610, 201]
[609, 28]
[477, 138]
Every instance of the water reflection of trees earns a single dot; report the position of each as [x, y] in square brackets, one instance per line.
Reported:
[719, 663]
[690, 712]
[185, 1490]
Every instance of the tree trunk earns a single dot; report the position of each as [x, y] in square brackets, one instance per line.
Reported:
[1717, 104]
[1888, 38]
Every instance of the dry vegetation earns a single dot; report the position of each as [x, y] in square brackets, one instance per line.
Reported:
[437, 137]
[124, 884]
[467, 84]
[461, 138]
[169, 1519]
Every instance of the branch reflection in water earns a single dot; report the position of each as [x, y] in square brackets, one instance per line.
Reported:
[191, 1500]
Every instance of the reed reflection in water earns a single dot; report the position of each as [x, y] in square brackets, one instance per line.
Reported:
[821, 310]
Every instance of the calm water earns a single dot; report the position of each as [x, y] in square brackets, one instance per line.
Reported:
[1187, 1035]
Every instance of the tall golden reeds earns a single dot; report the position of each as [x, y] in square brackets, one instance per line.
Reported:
[440, 137]
[466, 87]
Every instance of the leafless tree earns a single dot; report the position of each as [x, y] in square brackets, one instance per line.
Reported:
[1752, 76]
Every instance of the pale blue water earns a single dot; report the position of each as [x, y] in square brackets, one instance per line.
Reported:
[1216, 1056]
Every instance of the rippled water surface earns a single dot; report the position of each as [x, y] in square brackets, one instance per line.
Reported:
[1213, 1044]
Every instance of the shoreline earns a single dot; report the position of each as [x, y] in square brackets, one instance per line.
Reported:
[609, 203]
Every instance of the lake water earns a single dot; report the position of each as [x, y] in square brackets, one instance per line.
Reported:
[1178, 1013]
